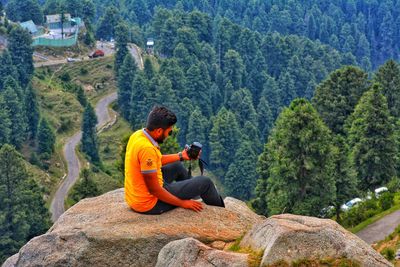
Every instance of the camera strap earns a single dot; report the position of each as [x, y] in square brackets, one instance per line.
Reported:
[201, 166]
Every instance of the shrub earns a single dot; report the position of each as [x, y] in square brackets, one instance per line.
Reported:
[66, 124]
[386, 200]
[65, 77]
[83, 71]
[107, 149]
[394, 184]
[388, 253]
[360, 213]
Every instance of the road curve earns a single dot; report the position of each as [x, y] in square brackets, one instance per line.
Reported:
[103, 116]
[380, 229]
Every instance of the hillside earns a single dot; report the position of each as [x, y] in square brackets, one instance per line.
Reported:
[57, 96]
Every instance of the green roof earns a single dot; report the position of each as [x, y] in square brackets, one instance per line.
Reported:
[29, 25]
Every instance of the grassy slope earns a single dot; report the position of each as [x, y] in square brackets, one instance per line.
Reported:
[391, 242]
[60, 106]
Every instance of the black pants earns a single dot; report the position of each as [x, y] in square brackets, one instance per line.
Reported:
[186, 187]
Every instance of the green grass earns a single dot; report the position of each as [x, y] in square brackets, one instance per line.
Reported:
[110, 146]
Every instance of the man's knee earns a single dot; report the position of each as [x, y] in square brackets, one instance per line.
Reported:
[204, 180]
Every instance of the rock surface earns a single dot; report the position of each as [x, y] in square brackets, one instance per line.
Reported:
[190, 252]
[292, 237]
[103, 231]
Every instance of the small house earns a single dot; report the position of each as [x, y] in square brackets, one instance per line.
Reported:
[54, 21]
[150, 45]
[30, 26]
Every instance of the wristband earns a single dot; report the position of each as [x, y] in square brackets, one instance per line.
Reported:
[180, 156]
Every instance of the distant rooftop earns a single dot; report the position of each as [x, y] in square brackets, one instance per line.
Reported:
[150, 42]
[57, 18]
[29, 25]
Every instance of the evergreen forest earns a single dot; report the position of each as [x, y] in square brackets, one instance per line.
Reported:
[296, 103]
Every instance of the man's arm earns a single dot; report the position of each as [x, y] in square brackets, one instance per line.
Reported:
[155, 189]
[166, 159]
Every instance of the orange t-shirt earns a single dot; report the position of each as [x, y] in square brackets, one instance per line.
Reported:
[142, 156]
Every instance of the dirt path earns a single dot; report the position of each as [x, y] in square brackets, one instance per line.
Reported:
[380, 229]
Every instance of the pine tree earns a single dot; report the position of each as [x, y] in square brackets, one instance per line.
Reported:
[7, 68]
[287, 88]
[388, 75]
[80, 95]
[46, 139]
[336, 97]
[126, 75]
[24, 11]
[170, 68]
[14, 227]
[345, 178]
[88, 11]
[39, 216]
[224, 141]
[21, 51]
[14, 108]
[107, 24]
[233, 68]
[271, 93]
[148, 68]
[5, 123]
[372, 141]
[197, 131]
[85, 188]
[121, 39]
[198, 87]
[299, 163]
[89, 137]
[185, 110]
[32, 112]
[241, 104]
[138, 107]
[264, 116]
[241, 177]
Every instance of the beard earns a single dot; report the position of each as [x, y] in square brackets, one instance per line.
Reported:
[160, 140]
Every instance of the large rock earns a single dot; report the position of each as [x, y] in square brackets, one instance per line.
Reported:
[190, 252]
[292, 237]
[103, 231]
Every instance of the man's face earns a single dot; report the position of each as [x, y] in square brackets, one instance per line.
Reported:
[163, 134]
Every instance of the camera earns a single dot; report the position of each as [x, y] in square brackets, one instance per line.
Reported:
[193, 150]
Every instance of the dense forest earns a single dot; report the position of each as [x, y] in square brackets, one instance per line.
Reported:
[296, 103]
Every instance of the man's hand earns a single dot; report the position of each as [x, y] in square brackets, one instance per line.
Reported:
[186, 156]
[192, 205]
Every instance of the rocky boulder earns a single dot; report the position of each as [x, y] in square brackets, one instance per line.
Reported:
[190, 252]
[104, 231]
[291, 237]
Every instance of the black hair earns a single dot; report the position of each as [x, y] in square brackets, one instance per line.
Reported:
[160, 117]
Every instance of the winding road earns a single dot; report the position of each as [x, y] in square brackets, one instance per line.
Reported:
[104, 120]
[103, 117]
[380, 229]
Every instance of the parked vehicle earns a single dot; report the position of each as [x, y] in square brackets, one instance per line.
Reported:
[351, 204]
[70, 59]
[327, 212]
[97, 53]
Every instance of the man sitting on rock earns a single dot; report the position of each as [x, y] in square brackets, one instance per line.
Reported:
[149, 176]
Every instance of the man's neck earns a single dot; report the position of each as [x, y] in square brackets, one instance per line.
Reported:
[151, 134]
